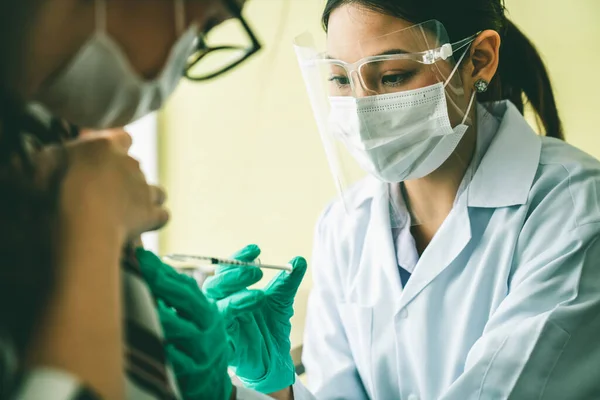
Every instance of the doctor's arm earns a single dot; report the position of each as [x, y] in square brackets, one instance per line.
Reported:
[542, 342]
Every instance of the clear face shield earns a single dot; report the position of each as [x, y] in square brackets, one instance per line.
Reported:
[389, 109]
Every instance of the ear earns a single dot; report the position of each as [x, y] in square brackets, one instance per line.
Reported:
[485, 56]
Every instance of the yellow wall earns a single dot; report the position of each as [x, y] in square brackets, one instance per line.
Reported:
[241, 157]
[567, 35]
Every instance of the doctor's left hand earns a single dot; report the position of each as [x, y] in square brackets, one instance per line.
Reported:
[260, 339]
[197, 345]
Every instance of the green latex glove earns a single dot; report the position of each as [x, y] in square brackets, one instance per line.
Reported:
[196, 339]
[260, 339]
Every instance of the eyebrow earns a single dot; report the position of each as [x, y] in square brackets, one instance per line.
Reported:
[390, 52]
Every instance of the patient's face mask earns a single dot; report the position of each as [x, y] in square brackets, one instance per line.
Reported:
[100, 89]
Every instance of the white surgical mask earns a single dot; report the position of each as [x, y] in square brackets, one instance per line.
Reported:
[100, 89]
[398, 136]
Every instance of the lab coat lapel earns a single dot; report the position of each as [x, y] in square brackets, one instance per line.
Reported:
[379, 253]
[450, 240]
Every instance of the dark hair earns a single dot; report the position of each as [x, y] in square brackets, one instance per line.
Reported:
[521, 71]
[28, 223]
[27, 209]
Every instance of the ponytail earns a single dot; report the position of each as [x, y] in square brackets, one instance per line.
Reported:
[522, 72]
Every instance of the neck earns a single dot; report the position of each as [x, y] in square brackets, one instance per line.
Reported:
[430, 199]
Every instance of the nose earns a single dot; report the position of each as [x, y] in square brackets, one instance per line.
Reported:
[358, 89]
[359, 92]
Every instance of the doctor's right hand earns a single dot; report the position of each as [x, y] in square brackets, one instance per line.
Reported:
[260, 339]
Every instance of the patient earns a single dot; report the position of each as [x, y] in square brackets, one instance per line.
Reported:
[69, 293]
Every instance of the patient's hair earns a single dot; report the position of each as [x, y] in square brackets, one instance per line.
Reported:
[521, 72]
[27, 211]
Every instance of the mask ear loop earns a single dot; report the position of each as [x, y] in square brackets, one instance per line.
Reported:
[179, 17]
[468, 108]
[460, 60]
[101, 16]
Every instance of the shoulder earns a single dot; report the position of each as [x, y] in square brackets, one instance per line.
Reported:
[558, 152]
[558, 245]
[568, 183]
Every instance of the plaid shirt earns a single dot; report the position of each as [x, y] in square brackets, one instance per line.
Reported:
[147, 370]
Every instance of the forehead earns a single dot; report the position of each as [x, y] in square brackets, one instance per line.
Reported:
[355, 32]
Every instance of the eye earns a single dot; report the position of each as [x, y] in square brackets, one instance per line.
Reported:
[396, 79]
[339, 80]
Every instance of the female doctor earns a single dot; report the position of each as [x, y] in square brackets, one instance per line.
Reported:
[467, 264]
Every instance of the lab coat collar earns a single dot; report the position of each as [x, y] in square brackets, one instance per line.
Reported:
[365, 190]
[507, 169]
[451, 239]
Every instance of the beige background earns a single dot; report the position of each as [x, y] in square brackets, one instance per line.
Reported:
[241, 157]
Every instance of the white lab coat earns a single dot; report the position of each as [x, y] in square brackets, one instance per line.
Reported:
[503, 304]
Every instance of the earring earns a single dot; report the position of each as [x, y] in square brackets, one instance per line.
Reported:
[481, 85]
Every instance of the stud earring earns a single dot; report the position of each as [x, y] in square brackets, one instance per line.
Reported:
[481, 85]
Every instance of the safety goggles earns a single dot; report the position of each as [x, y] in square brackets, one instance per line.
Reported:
[384, 73]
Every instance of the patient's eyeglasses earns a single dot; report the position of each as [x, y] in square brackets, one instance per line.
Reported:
[210, 61]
